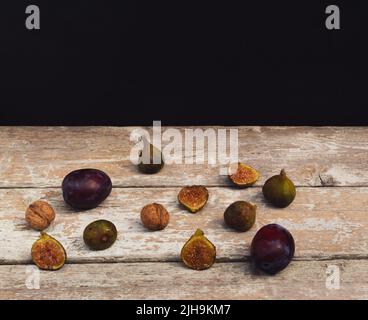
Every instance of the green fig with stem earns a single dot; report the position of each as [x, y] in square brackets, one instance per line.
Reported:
[151, 159]
[279, 190]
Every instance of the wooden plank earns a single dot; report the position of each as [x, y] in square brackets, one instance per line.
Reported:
[300, 280]
[327, 223]
[313, 156]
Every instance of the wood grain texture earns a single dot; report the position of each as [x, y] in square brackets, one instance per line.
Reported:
[301, 280]
[326, 223]
[313, 156]
[328, 218]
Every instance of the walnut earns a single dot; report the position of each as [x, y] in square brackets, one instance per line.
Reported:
[155, 217]
[39, 215]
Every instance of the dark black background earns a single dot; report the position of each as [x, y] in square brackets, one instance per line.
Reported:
[104, 62]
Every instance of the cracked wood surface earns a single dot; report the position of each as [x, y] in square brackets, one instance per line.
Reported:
[328, 218]
[312, 156]
[325, 222]
[171, 280]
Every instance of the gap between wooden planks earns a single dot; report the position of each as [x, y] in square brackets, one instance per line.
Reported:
[312, 156]
[327, 223]
[235, 280]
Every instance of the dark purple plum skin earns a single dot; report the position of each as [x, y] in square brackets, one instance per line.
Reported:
[272, 248]
[86, 188]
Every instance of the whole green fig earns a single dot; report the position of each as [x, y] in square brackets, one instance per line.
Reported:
[151, 159]
[100, 235]
[240, 215]
[279, 190]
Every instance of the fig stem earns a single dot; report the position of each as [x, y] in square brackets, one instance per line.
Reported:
[144, 139]
[283, 173]
[199, 233]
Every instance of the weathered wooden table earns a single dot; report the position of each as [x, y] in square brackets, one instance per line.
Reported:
[329, 217]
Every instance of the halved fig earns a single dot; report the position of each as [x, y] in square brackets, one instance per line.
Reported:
[193, 198]
[48, 253]
[243, 175]
[198, 252]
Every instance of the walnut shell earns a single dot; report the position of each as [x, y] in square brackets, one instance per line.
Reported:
[155, 217]
[39, 215]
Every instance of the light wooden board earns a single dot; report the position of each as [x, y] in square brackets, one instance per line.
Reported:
[328, 218]
[326, 223]
[301, 280]
[313, 156]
